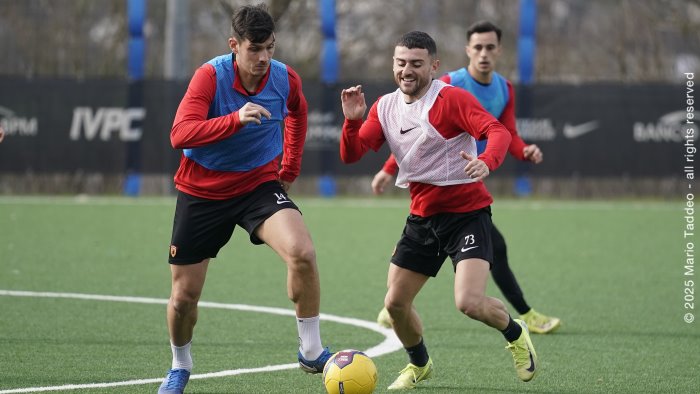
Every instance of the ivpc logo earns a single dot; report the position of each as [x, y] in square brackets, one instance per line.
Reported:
[106, 122]
[17, 125]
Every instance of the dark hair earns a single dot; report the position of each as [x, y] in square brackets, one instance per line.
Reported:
[253, 23]
[483, 27]
[418, 39]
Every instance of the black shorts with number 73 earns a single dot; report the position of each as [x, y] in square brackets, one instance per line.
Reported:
[427, 241]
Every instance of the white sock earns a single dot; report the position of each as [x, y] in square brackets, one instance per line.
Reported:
[309, 337]
[182, 359]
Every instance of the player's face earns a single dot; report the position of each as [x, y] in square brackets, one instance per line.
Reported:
[414, 70]
[253, 58]
[483, 51]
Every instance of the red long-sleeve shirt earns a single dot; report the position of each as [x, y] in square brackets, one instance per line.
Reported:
[507, 118]
[192, 129]
[455, 111]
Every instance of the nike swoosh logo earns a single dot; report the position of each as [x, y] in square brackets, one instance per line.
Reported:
[282, 202]
[407, 130]
[469, 248]
[532, 362]
[575, 131]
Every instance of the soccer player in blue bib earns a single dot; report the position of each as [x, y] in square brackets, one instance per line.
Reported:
[229, 128]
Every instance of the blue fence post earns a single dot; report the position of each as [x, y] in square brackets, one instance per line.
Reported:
[527, 43]
[136, 10]
[329, 78]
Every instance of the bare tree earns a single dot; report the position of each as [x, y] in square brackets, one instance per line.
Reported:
[577, 41]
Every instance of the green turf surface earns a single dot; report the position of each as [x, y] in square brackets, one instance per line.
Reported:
[613, 271]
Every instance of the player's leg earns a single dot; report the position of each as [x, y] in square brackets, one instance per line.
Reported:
[187, 284]
[285, 232]
[502, 274]
[416, 258]
[470, 286]
[469, 245]
[199, 231]
[404, 285]
[505, 279]
[470, 249]
[383, 317]
[471, 276]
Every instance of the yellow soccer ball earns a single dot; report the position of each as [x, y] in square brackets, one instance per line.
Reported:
[350, 372]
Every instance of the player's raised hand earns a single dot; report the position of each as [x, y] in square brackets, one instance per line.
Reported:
[252, 113]
[533, 153]
[476, 169]
[381, 179]
[353, 101]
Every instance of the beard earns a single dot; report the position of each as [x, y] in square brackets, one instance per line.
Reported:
[419, 87]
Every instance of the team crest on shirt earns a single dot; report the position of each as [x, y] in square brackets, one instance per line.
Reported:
[173, 250]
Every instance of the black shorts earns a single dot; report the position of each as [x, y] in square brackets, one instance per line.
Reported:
[427, 241]
[202, 226]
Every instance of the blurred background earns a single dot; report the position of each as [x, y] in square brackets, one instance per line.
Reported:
[89, 88]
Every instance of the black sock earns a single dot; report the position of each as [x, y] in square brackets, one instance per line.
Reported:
[513, 331]
[418, 355]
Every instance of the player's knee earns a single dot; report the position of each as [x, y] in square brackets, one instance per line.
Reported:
[395, 307]
[471, 306]
[394, 310]
[184, 302]
[302, 257]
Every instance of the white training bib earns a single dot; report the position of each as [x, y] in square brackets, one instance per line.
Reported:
[422, 153]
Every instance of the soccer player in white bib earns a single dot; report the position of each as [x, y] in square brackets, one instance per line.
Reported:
[432, 128]
[497, 96]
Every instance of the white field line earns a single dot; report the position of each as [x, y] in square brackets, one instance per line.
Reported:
[388, 345]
